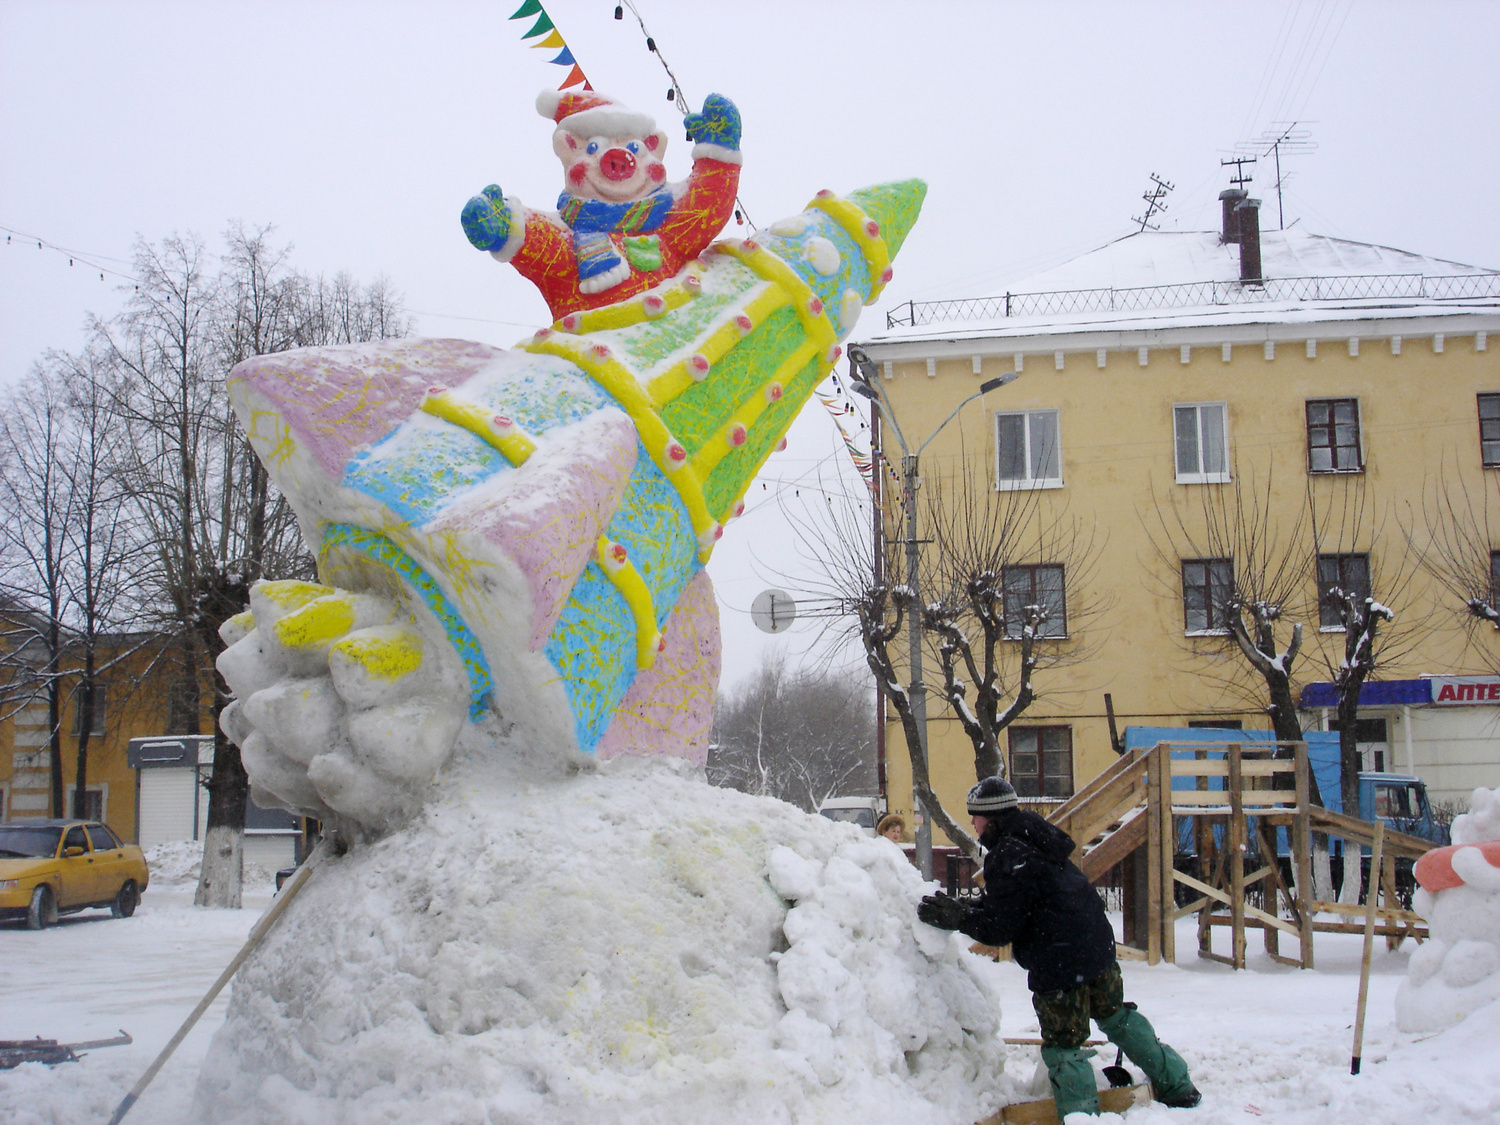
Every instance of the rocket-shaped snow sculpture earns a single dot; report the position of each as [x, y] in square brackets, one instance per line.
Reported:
[551, 506]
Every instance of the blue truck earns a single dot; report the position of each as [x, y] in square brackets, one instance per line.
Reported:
[1398, 799]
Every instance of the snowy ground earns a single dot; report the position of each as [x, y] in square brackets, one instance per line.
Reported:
[1271, 1044]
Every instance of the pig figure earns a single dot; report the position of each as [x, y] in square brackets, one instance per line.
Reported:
[619, 229]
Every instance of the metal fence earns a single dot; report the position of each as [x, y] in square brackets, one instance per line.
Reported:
[1357, 287]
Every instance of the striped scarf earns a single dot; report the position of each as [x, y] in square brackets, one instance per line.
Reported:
[593, 221]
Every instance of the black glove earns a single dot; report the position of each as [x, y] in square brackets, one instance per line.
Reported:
[943, 912]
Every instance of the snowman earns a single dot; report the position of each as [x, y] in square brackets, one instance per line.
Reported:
[619, 228]
[1458, 971]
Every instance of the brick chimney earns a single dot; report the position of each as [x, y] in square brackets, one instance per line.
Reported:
[1247, 216]
[1230, 198]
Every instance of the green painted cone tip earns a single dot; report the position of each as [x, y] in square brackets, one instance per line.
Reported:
[894, 206]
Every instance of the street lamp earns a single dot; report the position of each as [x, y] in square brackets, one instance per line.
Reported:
[865, 383]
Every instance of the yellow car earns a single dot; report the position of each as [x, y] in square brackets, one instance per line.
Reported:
[52, 867]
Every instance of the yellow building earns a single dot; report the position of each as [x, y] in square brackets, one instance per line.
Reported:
[132, 702]
[1174, 382]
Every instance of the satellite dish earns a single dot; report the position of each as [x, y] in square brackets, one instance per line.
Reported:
[773, 611]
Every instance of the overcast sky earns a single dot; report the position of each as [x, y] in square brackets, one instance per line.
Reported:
[360, 129]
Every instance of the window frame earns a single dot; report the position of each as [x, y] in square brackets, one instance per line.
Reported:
[1340, 559]
[1023, 782]
[1202, 475]
[1046, 632]
[1016, 484]
[1211, 608]
[101, 711]
[1333, 445]
[94, 796]
[1482, 399]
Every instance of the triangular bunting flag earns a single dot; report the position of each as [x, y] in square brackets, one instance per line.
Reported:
[575, 78]
[564, 59]
[553, 40]
[541, 27]
[530, 8]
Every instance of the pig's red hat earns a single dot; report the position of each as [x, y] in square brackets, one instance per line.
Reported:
[587, 113]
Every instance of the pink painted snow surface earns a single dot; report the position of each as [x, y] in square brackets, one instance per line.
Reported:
[617, 946]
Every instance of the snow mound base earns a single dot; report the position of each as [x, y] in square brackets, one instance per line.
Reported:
[622, 944]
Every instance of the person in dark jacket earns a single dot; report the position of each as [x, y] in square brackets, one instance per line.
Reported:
[1037, 902]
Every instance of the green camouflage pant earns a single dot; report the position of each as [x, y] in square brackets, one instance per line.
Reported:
[1065, 1013]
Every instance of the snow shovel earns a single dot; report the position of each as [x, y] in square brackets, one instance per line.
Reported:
[257, 935]
[1116, 1075]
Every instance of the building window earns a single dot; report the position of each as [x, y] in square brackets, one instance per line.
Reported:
[1040, 586]
[97, 727]
[1489, 430]
[1333, 436]
[1200, 430]
[1206, 586]
[1494, 579]
[1041, 761]
[1026, 453]
[1371, 739]
[1216, 724]
[1346, 574]
[93, 802]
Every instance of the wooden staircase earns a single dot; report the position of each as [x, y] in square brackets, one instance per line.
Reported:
[1236, 797]
[1107, 817]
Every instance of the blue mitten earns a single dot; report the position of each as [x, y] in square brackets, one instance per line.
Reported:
[718, 124]
[486, 219]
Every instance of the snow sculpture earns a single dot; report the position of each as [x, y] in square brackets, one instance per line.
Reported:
[1458, 971]
[618, 229]
[517, 537]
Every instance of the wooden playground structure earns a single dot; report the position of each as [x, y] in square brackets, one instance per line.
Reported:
[1238, 808]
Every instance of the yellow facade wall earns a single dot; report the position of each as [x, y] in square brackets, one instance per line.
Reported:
[136, 706]
[1420, 434]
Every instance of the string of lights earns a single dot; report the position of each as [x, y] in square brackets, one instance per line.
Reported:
[75, 257]
[674, 91]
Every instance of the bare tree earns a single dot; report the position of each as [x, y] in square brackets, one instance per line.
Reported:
[71, 553]
[1250, 555]
[802, 736]
[215, 522]
[1457, 547]
[1243, 556]
[1012, 574]
[1353, 585]
[985, 618]
[34, 502]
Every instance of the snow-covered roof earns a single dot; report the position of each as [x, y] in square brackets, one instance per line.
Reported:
[1157, 280]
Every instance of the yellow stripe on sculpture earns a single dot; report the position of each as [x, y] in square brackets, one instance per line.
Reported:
[516, 446]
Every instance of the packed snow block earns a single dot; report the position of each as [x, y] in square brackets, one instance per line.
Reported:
[626, 944]
[1457, 972]
[544, 513]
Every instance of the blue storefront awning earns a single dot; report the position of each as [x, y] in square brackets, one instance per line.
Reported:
[1372, 693]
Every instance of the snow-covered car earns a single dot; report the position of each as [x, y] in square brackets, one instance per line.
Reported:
[52, 867]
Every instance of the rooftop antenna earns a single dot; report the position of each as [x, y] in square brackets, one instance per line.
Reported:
[1286, 137]
[1154, 204]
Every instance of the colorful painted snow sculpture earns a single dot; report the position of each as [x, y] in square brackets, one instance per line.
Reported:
[530, 524]
[1458, 971]
[618, 229]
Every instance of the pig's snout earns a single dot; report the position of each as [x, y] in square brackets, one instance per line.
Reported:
[617, 164]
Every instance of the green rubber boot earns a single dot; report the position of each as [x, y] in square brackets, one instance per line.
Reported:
[1133, 1033]
[1072, 1080]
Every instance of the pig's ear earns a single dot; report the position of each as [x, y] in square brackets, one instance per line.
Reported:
[655, 143]
[564, 144]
